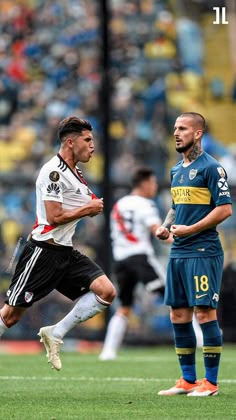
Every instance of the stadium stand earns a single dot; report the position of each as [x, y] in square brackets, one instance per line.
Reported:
[50, 67]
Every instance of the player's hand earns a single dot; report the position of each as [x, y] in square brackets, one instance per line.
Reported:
[162, 233]
[95, 206]
[180, 230]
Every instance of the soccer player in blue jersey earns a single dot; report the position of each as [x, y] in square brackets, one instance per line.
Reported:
[200, 201]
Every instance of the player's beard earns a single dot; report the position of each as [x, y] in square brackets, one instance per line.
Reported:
[185, 148]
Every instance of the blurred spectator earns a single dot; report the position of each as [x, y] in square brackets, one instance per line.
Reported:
[8, 100]
[212, 146]
[189, 33]
[217, 88]
[228, 161]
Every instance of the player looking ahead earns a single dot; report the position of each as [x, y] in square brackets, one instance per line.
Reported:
[48, 260]
[201, 200]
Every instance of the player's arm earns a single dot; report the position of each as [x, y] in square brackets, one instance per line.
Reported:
[214, 218]
[155, 228]
[56, 215]
[163, 231]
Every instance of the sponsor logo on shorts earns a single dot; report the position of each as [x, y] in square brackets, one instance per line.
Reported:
[200, 296]
[215, 297]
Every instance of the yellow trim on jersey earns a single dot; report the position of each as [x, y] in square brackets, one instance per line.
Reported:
[181, 351]
[191, 195]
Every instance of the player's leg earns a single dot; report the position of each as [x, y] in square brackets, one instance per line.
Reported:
[127, 275]
[185, 346]
[178, 296]
[153, 275]
[206, 304]
[25, 287]
[9, 316]
[137, 268]
[85, 280]
[212, 346]
[115, 334]
[14, 306]
[88, 305]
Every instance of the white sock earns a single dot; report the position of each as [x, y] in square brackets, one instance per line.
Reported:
[86, 307]
[115, 333]
[3, 327]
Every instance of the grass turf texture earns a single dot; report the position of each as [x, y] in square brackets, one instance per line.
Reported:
[88, 389]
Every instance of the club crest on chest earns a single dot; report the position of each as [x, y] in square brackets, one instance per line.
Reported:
[192, 174]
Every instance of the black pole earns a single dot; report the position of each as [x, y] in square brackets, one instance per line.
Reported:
[105, 119]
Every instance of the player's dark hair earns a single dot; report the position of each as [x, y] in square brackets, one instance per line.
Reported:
[198, 118]
[72, 125]
[141, 174]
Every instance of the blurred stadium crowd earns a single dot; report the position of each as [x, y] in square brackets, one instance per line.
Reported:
[51, 67]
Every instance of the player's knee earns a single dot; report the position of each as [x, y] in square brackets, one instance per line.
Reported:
[11, 315]
[10, 320]
[124, 311]
[109, 293]
[104, 288]
[204, 315]
[181, 315]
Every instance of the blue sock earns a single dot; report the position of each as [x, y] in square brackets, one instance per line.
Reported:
[212, 348]
[185, 346]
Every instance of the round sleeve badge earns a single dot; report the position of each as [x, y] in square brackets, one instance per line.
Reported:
[54, 176]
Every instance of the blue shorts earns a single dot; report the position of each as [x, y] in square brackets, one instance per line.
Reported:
[194, 282]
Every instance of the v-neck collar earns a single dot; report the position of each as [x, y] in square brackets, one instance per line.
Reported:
[78, 173]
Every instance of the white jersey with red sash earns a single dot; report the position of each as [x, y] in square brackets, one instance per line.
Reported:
[131, 219]
[57, 182]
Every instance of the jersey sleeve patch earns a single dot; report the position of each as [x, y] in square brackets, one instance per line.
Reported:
[54, 176]
[53, 189]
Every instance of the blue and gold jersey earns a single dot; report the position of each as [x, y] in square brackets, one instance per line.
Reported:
[196, 190]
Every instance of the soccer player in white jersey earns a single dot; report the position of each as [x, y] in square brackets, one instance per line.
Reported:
[48, 260]
[133, 219]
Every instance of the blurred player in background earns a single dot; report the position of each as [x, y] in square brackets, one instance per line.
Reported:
[201, 200]
[48, 260]
[134, 218]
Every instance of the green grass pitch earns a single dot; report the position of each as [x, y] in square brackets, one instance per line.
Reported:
[88, 389]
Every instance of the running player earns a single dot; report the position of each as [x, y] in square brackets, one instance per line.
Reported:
[48, 260]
